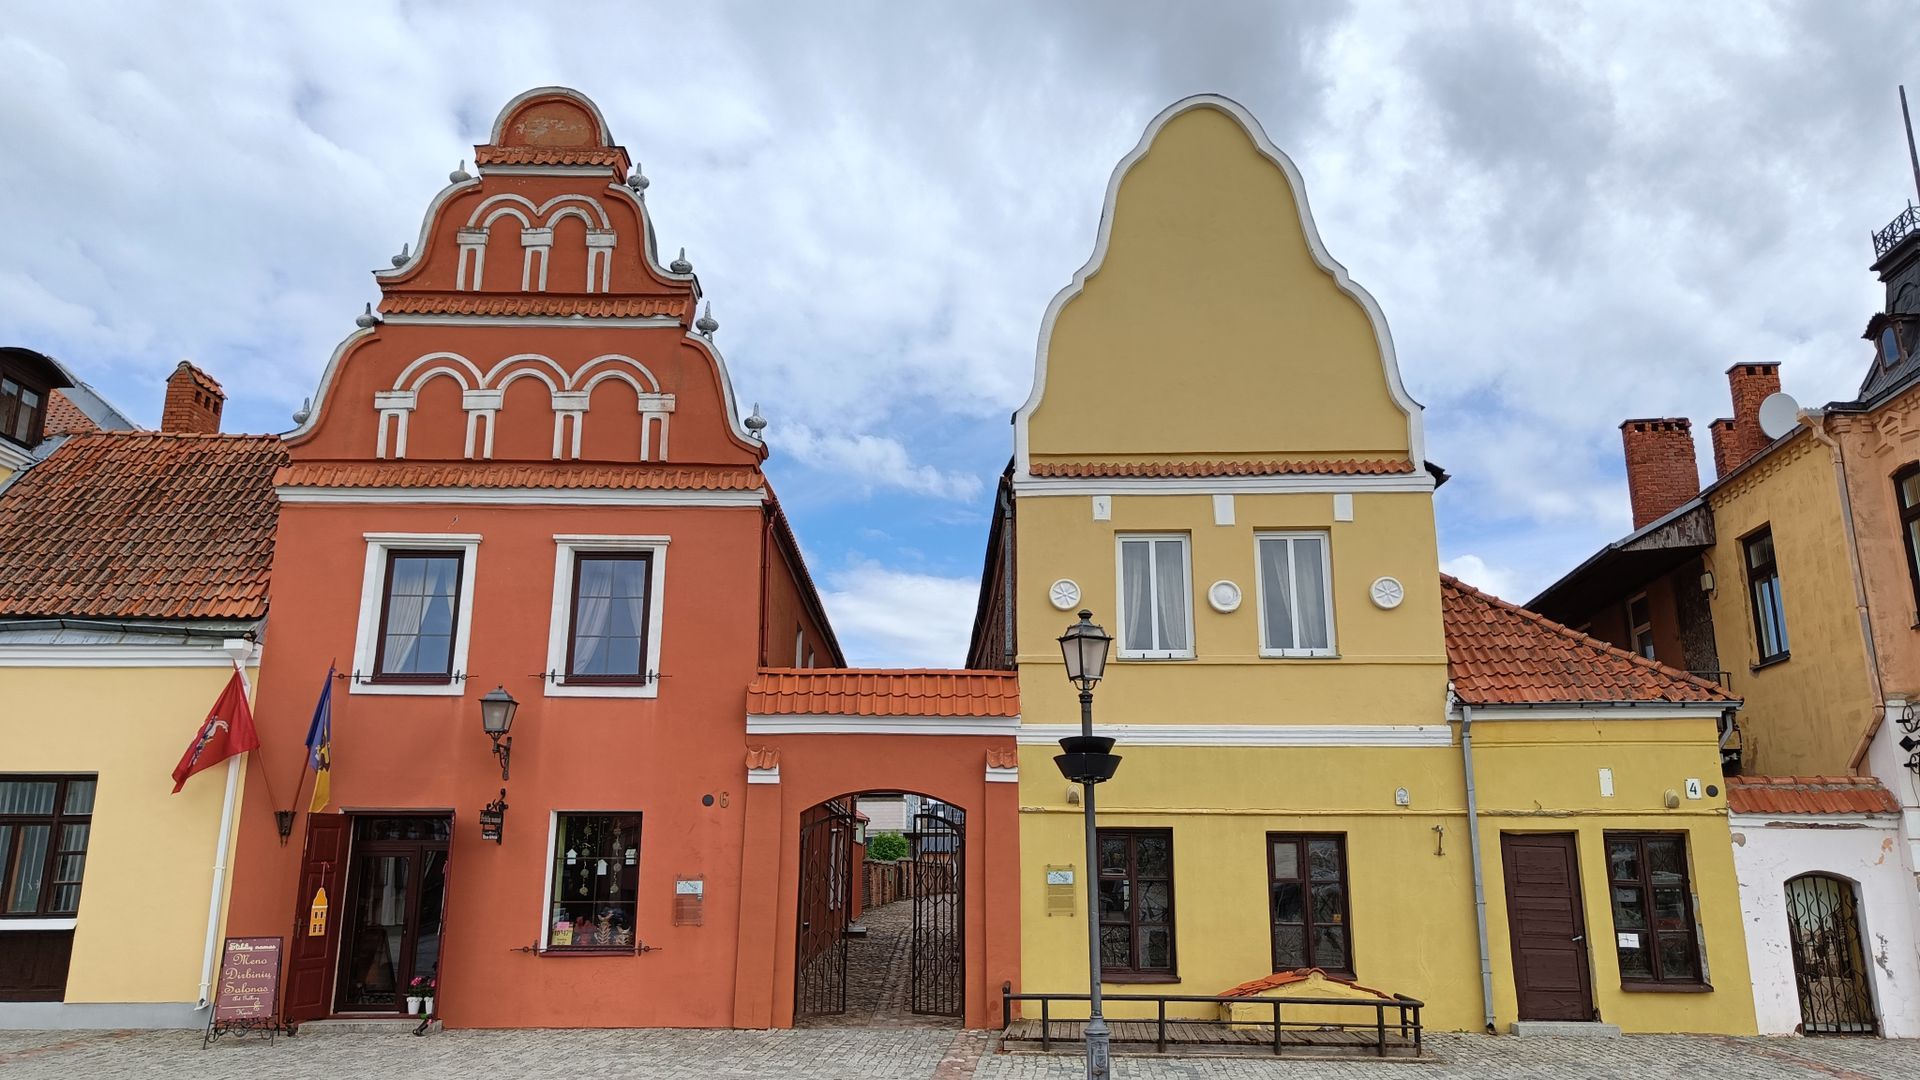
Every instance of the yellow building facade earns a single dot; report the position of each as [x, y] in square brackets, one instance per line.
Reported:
[136, 585]
[1219, 461]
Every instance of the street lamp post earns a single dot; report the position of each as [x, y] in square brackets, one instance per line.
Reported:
[1087, 759]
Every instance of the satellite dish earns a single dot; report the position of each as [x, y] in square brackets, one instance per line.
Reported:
[1779, 414]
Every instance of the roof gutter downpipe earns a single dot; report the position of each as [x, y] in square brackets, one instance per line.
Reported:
[1816, 421]
[1479, 878]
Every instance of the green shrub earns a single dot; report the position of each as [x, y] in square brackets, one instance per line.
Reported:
[886, 847]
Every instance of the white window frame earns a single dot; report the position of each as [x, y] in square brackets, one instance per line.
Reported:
[373, 586]
[1633, 628]
[1326, 589]
[799, 645]
[560, 620]
[546, 891]
[1120, 592]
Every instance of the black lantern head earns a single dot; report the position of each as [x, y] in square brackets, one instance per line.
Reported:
[1084, 647]
[496, 712]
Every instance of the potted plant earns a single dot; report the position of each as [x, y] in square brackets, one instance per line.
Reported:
[420, 996]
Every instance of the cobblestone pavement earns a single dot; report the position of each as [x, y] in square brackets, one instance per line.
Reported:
[882, 1054]
[880, 973]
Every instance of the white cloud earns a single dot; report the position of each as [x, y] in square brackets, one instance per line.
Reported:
[872, 462]
[1475, 571]
[892, 618]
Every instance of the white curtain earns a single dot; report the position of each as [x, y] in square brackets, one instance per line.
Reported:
[406, 606]
[590, 622]
[1170, 574]
[1310, 591]
[1276, 585]
[1136, 572]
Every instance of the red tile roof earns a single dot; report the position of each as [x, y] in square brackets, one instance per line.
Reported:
[142, 525]
[610, 307]
[65, 418]
[504, 474]
[869, 692]
[1280, 979]
[1809, 795]
[1105, 469]
[1502, 654]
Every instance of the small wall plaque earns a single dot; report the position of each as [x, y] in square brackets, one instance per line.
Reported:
[689, 900]
[1060, 891]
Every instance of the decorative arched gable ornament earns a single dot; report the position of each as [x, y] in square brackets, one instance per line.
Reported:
[1250, 127]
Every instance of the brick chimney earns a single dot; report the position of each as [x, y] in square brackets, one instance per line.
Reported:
[1751, 384]
[1661, 470]
[1723, 449]
[194, 401]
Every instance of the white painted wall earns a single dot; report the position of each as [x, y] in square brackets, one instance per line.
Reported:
[1868, 850]
[889, 813]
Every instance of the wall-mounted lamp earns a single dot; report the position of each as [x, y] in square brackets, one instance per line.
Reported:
[496, 719]
[493, 818]
[1706, 581]
[283, 823]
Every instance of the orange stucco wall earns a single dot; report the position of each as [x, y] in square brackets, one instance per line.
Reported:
[1875, 447]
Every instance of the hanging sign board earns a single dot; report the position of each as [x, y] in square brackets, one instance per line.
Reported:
[317, 914]
[248, 989]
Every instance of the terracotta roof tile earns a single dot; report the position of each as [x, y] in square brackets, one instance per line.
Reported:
[504, 474]
[65, 418]
[1105, 469]
[142, 525]
[1809, 795]
[545, 155]
[874, 692]
[511, 306]
[1502, 654]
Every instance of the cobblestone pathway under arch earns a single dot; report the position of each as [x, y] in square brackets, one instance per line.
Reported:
[880, 975]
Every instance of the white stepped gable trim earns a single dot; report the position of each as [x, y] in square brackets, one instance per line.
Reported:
[1416, 443]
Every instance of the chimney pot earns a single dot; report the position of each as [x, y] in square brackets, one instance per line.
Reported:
[193, 402]
[1662, 473]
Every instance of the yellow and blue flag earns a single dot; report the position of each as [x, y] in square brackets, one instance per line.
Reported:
[320, 746]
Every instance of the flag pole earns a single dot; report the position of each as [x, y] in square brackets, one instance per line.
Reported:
[236, 648]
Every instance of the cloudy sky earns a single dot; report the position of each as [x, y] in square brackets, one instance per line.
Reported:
[1570, 217]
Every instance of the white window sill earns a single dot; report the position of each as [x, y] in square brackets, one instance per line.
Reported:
[451, 689]
[1154, 656]
[39, 924]
[1299, 654]
[555, 688]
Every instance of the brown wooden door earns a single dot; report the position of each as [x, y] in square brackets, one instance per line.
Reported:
[311, 959]
[1547, 926]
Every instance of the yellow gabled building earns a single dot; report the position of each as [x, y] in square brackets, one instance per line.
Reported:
[1218, 459]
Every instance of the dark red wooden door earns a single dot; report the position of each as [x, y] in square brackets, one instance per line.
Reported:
[1547, 926]
[312, 957]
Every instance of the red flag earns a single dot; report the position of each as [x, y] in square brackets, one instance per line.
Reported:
[228, 730]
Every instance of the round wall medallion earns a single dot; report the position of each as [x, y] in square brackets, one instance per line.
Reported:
[1223, 596]
[1063, 593]
[1387, 593]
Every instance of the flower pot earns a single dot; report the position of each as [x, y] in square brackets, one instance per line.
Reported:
[426, 1007]
[413, 1006]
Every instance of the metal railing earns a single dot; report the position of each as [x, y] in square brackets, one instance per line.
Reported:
[1897, 230]
[1406, 1021]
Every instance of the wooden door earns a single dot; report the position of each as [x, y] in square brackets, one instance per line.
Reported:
[311, 957]
[1547, 926]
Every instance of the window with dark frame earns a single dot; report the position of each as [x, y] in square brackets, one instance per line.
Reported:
[1136, 903]
[1763, 592]
[1652, 900]
[607, 631]
[1640, 625]
[419, 617]
[1307, 902]
[23, 407]
[1906, 492]
[596, 883]
[44, 826]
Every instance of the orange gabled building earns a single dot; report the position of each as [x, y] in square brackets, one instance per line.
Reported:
[528, 471]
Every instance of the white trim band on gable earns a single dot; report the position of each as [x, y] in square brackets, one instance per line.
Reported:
[1289, 484]
[764, 776]
[591, 322]
[996, 775]
[128, 656]
[519, 496]
[1623, 710]
[825, 724]
[1252, 734]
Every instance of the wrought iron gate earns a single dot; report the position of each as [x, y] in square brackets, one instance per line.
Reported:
[939, 912]
[826, 871]
[1828, 965]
